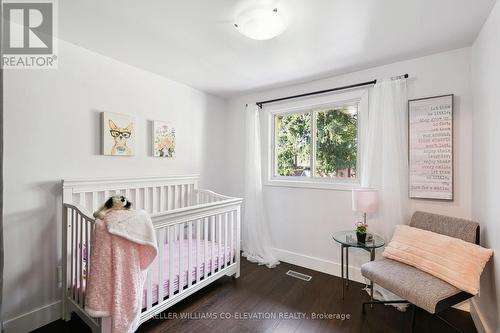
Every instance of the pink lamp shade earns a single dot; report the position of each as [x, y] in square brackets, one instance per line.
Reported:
[365, 200]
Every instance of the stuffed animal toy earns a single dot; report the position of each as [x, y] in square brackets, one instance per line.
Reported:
[113, 203]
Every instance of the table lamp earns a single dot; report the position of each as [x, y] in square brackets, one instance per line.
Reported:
[365, 200]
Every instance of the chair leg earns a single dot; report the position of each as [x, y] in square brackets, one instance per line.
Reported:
[371, 294]
[413, 316]
[448, 323]
[363, 308]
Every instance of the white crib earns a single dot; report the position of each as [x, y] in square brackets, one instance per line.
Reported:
[181, 213]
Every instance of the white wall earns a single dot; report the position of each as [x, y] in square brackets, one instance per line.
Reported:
[486, 154]
[52, 132]
[302, 220]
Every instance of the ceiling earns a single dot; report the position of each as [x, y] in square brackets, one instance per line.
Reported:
[194, 41]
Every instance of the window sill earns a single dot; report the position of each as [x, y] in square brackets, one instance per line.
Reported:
[312, 184]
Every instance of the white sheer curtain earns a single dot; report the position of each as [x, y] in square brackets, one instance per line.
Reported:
[384, 160]
[384, 157]
[256, 235]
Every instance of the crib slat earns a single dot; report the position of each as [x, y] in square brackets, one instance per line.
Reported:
[237, 251]
[161, 261]
[225, 240]
[212, 236]
[80, 260]
[231, 253]
[198, 268]
[72, 257]
[176, 197]
[170, 196]
[161, 198]
[77, 256]
[181, 257]
[219, 242]
[135, 199]
[180, 191]
[205, 247]
[94, 201]
[179, 196]
[86, 257]
[149, 290]
[84, 262]
[191, 195]
[146, 202]
[106, 195]
[190, 260]
[154, 206]
[170, 263]
[81, 199]
[167, 198]
[185, 195]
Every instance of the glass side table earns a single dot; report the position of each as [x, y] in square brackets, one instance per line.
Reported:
[348, 239]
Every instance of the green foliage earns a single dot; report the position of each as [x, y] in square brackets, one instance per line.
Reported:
[361, 227]
[336, 143]
[361, 230]
[293, 143]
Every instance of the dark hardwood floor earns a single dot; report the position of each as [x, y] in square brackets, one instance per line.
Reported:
[275, 302]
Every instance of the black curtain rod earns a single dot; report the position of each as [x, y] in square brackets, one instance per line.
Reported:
[259, 104]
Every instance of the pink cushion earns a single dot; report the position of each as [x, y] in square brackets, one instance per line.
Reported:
[450, 259]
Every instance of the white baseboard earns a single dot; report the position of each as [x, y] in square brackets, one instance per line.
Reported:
[34, 319]
[317, 264]
[478, 318]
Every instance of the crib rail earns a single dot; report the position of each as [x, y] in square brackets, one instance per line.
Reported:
[194, 247]
[77, 230]
[197, 244]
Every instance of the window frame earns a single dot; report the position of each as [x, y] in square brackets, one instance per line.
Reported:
[313, 105]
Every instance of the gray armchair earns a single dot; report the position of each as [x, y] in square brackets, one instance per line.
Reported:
[414, 286]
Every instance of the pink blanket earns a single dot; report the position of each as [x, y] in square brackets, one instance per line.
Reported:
[123, 247]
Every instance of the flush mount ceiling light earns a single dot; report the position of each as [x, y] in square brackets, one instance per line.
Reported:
[261, 23]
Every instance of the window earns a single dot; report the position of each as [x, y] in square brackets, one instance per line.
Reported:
[316, 143]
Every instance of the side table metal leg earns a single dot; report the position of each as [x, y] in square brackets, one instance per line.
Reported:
[372, 257]
[347, 266]
[342, 268]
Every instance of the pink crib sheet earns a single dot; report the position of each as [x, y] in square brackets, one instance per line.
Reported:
[154, 269]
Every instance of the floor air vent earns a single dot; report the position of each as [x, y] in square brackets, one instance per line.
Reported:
[299, 275]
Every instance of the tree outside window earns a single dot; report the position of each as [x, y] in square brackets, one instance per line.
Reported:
[333, 147]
